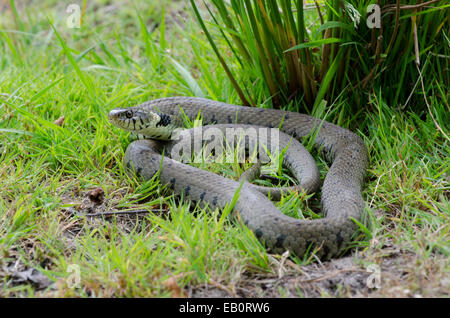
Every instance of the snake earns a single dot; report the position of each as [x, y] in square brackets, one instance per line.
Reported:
[249, 141]
[341, 196]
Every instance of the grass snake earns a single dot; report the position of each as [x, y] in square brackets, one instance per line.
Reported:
[341, 196]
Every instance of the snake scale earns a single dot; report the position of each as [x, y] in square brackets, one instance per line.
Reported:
[341, 191]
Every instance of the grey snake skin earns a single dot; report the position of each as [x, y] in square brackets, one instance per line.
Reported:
[341, 191]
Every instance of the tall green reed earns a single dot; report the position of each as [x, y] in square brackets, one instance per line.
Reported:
[329, 49]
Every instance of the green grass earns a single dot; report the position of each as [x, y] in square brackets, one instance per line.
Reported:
[121, 57]
[315, 53]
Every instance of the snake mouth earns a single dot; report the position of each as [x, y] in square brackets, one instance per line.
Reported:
[147, 123]
[133, 119]
[114, 114]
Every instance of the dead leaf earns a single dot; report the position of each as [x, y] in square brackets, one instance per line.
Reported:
[172, 285]
[59, 121]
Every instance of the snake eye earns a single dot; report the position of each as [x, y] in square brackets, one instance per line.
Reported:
[129, 114]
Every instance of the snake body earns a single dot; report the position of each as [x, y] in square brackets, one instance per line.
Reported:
[251, 140]
[341, 191]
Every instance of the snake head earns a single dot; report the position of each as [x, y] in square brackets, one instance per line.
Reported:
[148, 123]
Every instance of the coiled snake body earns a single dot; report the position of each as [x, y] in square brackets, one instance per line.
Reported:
[341, 192]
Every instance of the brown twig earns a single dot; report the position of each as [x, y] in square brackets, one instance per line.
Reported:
[330, 275]
[397, 23]
[110, 213]
[389, 8]
[416, 40]
[318, 11]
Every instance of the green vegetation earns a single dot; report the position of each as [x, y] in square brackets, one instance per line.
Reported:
[124, 55]
[330, 50]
